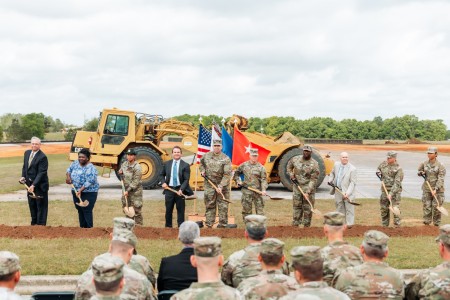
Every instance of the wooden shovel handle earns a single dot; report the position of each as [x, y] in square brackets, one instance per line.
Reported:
[304, 196]
[220, 192]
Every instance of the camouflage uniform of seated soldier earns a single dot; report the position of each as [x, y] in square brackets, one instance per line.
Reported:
[338, 254]
[9, 275]
[271, 283]
[122, 245]
[108, 277]
[374, 278]
[392, 175]
[207, 259]
[254, 177]
[244, 263]
[434, 172]
[308, 269]
[434, 283]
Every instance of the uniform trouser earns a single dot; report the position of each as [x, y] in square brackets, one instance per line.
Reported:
[249, 199]
[430, 212]
[85, 215]
[384, 208]
[302, 209]
[134, 201]
[171, 200]
[345, 208]
[213, 199]
[38, 208]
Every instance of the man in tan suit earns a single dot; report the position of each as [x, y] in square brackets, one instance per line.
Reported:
[343, 177]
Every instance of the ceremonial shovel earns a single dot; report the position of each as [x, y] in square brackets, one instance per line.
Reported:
[214, 186]
[81, 203]
[314, 210]
[340, 192]
[260, 192]
[442, 209]
[33, 195]
[394, 210]
[129, 211]
[192, 197]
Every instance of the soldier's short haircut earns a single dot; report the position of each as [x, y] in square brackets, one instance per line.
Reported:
[271, 259]
[118, 247]
[188, 232]
[107, 287]
[256, 233]
[311, 271]
[7, 277]
[374, 251]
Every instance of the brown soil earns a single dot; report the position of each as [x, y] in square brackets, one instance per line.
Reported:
[29, 232]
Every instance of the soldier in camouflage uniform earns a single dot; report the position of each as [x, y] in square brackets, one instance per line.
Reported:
[132, 175]
[338, 254]
[217, 167]
[271, 283]
[434, 173]
[374, 278]
[308, 269]
[433, 283]
[9, 275]
[392, 175]
[108, 277]
[244, 263]
[123, 244]
[254, 177]
[207, 259]
[305, 169]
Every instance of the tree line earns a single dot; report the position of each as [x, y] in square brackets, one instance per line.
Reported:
[18, 127]
[397, 128]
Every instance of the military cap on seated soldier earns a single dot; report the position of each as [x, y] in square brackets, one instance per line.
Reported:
[334, 218]
[207, 246]
[9, 275]
[376, 238]
[444, 234]
[108, 274]
[123, 231]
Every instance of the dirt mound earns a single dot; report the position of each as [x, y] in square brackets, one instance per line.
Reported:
[42, 232]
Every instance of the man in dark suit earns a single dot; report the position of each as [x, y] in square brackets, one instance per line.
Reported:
[176, 272]
[175, 175]
[34, 174]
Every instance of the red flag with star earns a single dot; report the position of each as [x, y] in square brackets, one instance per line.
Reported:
[242, 146]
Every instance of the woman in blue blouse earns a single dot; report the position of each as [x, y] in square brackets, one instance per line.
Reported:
[83, 175]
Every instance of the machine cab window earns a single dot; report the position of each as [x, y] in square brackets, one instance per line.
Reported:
[116, 125]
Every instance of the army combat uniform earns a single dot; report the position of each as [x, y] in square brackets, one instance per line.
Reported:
[372, 279]
[9, 264]
[217, 168]
[269, 284]
[435, 174]
[255, 176]
[207, 247]
[306, 172]
[132, 174]
[433, 283]
[392, 176]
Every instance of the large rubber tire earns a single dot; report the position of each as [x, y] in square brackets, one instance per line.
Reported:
[282, 167]
[151, 164]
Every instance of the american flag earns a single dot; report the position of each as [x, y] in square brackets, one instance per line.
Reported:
[204, 142]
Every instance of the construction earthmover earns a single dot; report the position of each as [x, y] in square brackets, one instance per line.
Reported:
[119, 130]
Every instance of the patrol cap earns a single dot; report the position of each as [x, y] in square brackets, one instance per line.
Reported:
[392, 153]
[305, 255]
[254, 152]
[255, 221]
[272, 246]
[376, 238]
[9, 263]
[217, 142]
[444, 234]
[123, 231]
[334, 218]
[307, 148]
[432, 150]
[210, 246]
[131, 151]
[107, 268]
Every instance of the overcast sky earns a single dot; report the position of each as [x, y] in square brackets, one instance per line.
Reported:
[339, 59]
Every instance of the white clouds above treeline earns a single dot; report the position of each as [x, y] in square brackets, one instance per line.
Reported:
[339, 59]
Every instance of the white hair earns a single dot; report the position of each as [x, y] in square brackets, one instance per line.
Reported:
[35, 138]
[188, 232]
